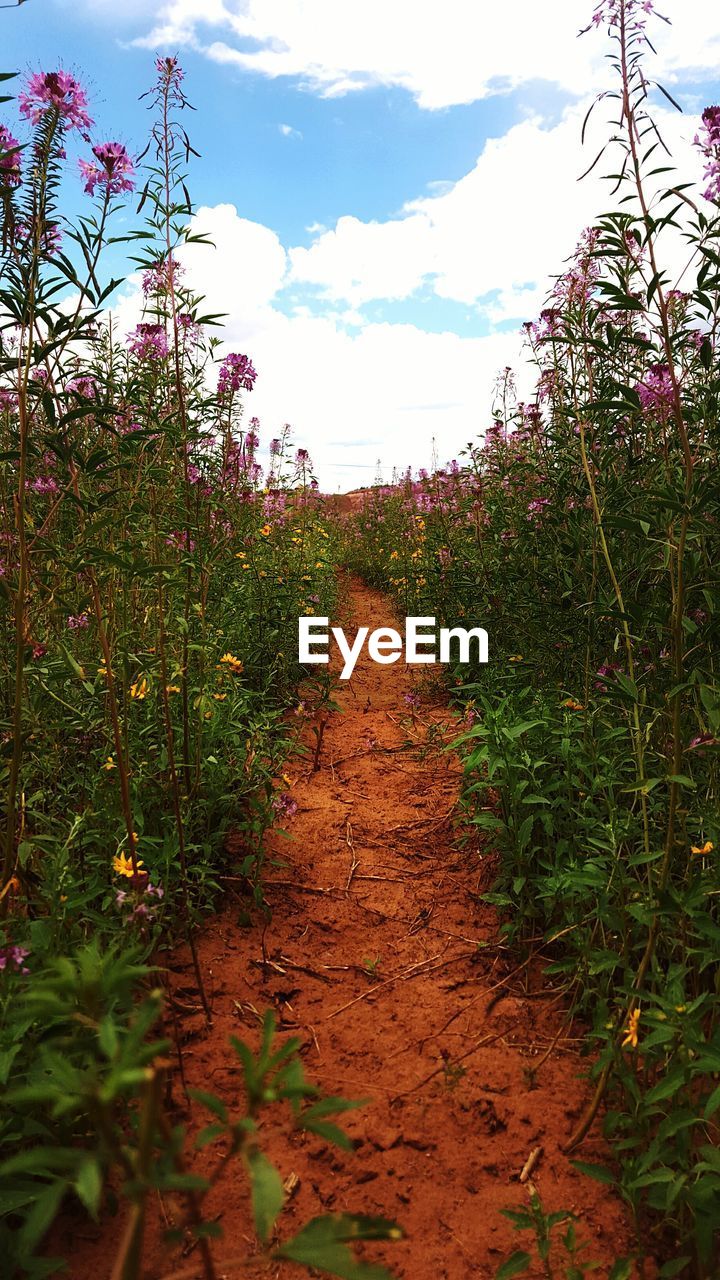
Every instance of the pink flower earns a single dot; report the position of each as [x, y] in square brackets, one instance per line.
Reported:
[236, 371]
[148, 342]
[656, 390]
[56, 91]
[114, 170]
[10, 172]
[709, 143]
[84, 385]
[161, 275]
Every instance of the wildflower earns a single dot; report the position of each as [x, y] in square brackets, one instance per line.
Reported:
[631, 1030]
[78, 622]
[284, 805]
[57, 91]
[704, 849]
[109, 764]
[229, 662]
[148, 342]
[219, 697]
[412, 701]
[709, 144]
[572, 705]
[656, 391]
[114, 170]
[123, 866]
[172, 688]
[170, 72]
[703, 740]
[84, 386]
[266, 530]
[10, 172]
[236, 371]
[139, 689]
[14, 957]
[8, 400]
[516, 657]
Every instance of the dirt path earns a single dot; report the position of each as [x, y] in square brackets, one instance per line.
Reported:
[388, 967]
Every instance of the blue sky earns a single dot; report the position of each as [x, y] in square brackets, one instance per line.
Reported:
[389, 193]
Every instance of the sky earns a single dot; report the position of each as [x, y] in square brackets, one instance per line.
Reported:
[390, 186]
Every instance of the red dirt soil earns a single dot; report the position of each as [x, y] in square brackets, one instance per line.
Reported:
[386, 964]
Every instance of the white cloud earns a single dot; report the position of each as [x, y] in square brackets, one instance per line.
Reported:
[491, 241]
[459, 53]
[353, 392]
[287, 131]
[497, 235]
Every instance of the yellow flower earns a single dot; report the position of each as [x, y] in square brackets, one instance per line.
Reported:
[572, 705]
[229, 662]
[266, 530]
[707, 847]
[109, 764]
[172, 688]
[241, 555]
[123, 866]
[219, 697]
[516, 657]
[631, 1030]
[140, 689]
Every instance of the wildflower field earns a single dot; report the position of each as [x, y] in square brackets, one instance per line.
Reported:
[416, 974]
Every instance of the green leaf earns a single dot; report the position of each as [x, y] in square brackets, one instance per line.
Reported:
[323, 1244]
[209, 1100]
[89, 1184]
[596, 1171]
[621, 1269]
[517, 1263]
[268, 1196]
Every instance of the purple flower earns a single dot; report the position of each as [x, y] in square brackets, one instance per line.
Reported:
[56, 91]
[284, 805]
[10, 172]
[149, 342]
[656, 390]
[8, 400]
[159, 277]
[84, 385]
[709, 143]
[45, 484]
[114, 170]
[170, 72]
[78, 621]
[236, 371]
[13, 959]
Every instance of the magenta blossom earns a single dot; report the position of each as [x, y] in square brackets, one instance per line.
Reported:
[656, 390]
[236, 371]
[56, 91]
[709, 143]
[10, 172]
[149, 342]
[84, 385]
[13, 959]
[284, 805]
[78, 622]
[113, 170]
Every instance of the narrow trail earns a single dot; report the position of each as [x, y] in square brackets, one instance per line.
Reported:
[382, 959]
